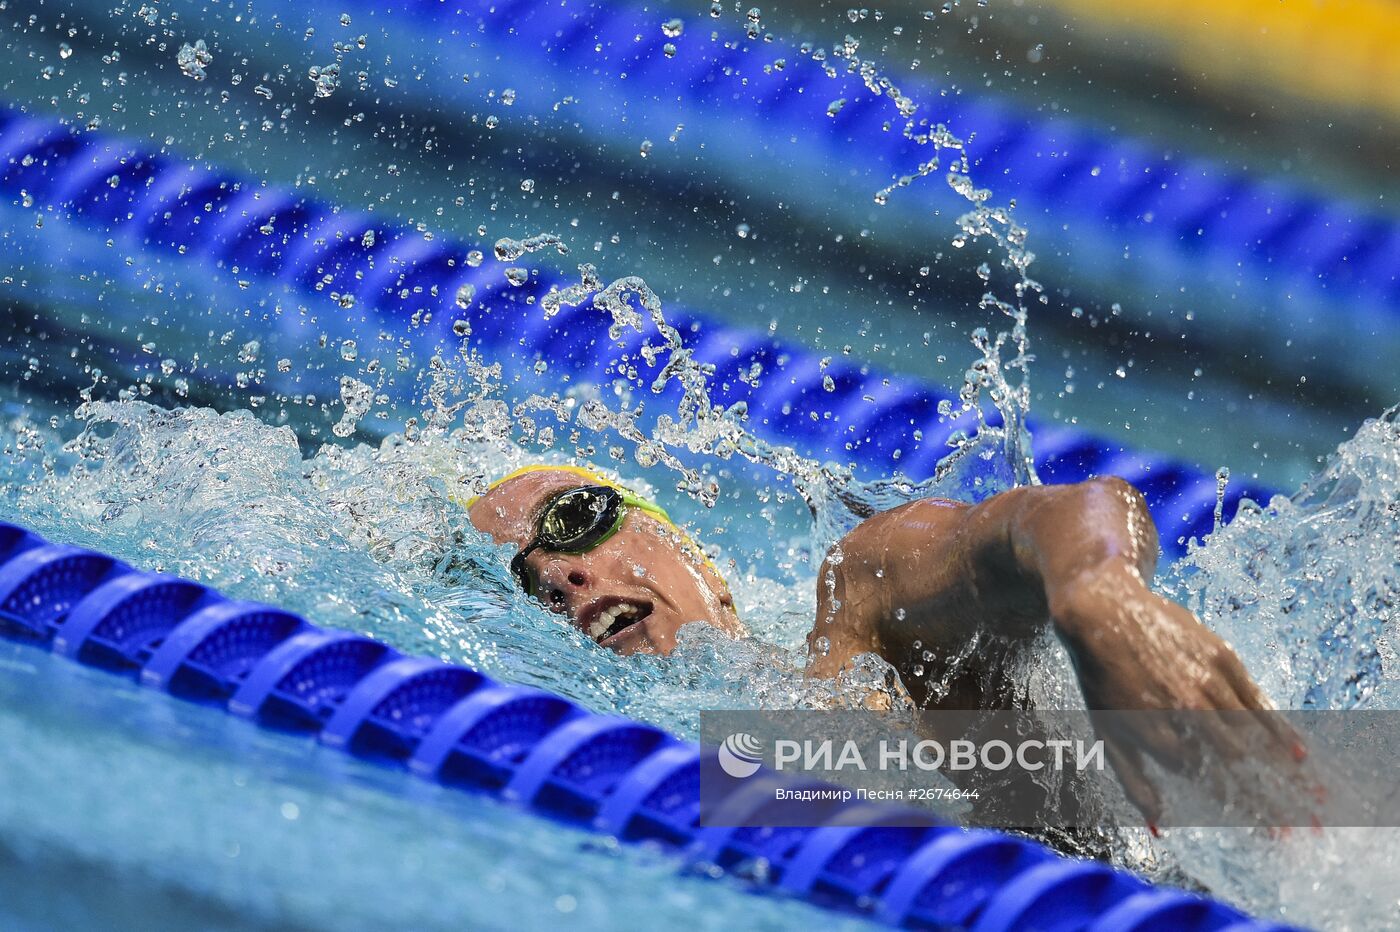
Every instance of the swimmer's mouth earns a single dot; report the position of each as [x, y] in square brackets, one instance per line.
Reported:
[611, 617]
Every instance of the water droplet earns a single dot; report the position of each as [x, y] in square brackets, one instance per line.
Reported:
[326, 79]
[465, 294]
[358, 398]
[672, 28]
[517, 276]
[349, 351]
[194, 59]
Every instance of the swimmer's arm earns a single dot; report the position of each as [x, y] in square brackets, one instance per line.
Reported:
[1077, 557]
[935, 571]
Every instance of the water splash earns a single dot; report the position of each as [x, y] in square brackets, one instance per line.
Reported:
[373, 539]
[370, 537]
[1310, 584]
[1307, 590]
[509, 250]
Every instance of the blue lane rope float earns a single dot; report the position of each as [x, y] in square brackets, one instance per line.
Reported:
[1314, 279]
[454, 726]
[401, 281]
[1190, 207]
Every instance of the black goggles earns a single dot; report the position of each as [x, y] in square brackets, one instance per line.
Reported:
[574, 521]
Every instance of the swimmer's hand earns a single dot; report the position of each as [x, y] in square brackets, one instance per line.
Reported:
[1134, 650]
[1094, 553]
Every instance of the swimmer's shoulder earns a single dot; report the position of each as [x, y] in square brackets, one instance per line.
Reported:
[883, 577]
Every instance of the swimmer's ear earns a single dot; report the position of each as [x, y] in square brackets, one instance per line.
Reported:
[712, 576]
[726, 598]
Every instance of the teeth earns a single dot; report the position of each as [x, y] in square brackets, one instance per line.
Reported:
[607, 617]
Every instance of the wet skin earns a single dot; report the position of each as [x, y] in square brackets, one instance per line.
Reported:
[645, 567]
[1075, 558]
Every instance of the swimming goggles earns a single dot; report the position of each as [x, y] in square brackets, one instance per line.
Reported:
[576, 521]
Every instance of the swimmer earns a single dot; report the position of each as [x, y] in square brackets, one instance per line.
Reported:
[931, 575]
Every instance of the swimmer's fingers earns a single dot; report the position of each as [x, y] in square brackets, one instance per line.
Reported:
[1304, 777]
[1250, 696]
[1223, 767]
[1276, 739]
[1246, 772]
[1255, 761]
[1127, 763]
[1232, 688]
[1172, 745]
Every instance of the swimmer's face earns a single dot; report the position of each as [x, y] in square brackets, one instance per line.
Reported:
[632, 592]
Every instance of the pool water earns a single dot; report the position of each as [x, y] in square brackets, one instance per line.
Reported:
[364, 538]
[166, 815]
[226, 469]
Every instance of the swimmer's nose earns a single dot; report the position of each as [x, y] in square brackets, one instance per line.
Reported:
[563, 585]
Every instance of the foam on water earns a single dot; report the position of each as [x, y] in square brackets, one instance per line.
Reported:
[369, 538]
[1307, 590]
